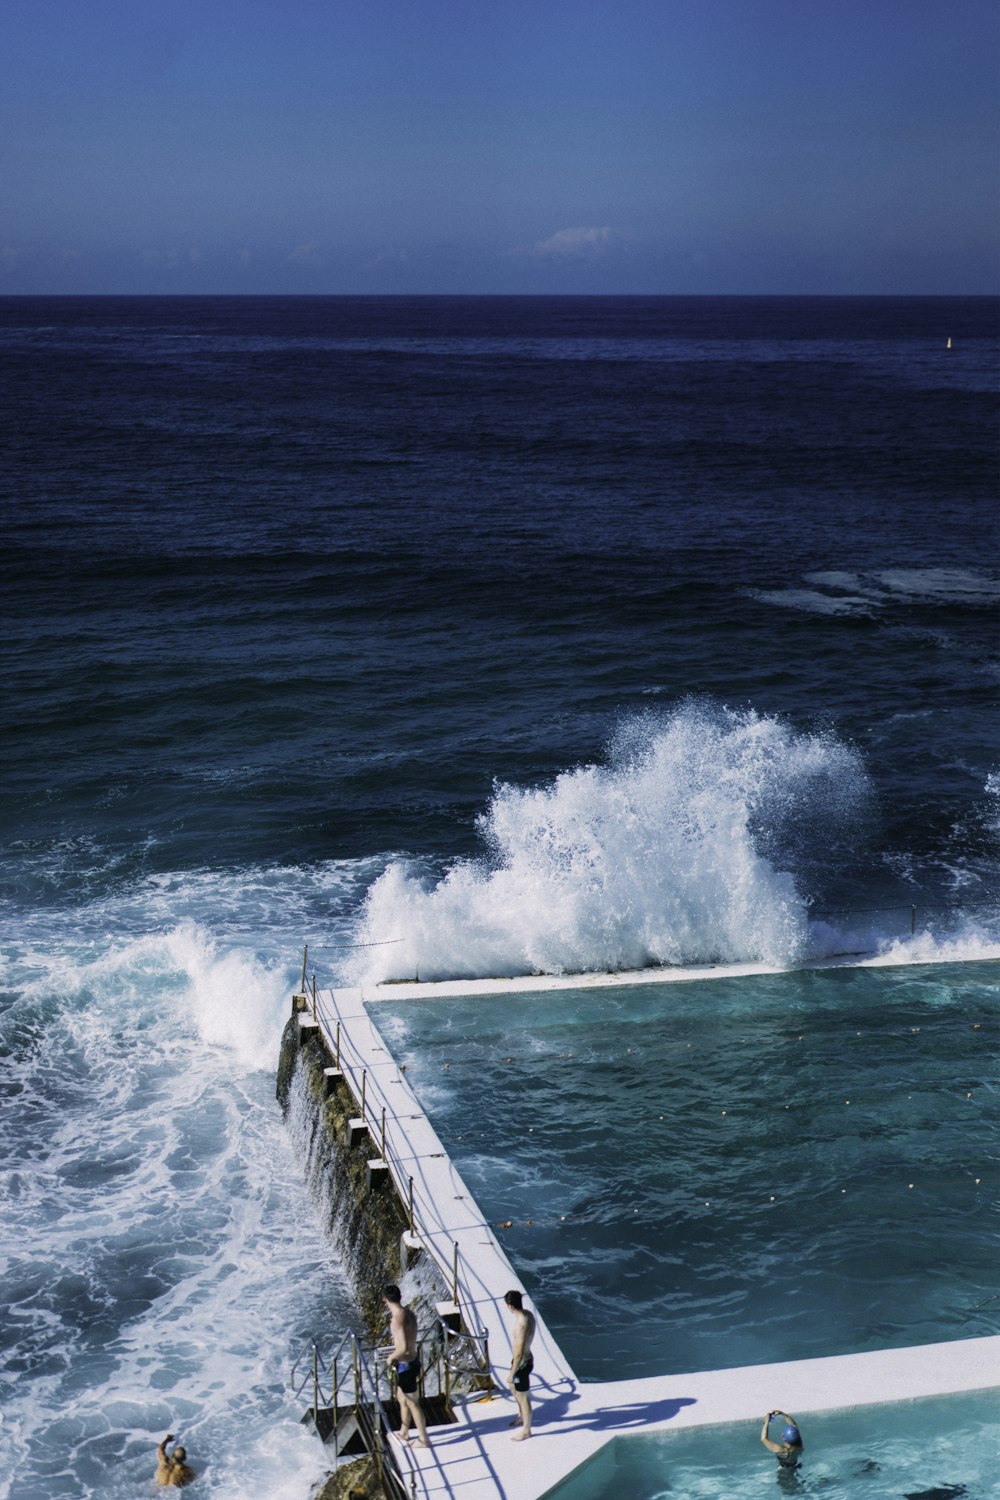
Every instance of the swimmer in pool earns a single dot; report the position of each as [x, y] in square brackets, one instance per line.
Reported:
[521, 1362]
[789, 1450]
[406, 1360]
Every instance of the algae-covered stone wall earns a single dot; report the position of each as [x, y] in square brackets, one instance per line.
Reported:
[365, 1218]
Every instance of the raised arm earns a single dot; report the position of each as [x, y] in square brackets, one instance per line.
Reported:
[768, 1443]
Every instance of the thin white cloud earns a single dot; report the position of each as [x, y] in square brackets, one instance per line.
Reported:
[579, 244]
[161, 260]
[307, 254]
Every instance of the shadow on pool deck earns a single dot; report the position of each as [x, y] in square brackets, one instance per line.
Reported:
[560, 1409]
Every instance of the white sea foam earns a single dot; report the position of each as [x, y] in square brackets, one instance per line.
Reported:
[833, 592]
[162, 1261]
[681, 849]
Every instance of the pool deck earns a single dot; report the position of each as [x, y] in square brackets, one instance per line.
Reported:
[476, 1459]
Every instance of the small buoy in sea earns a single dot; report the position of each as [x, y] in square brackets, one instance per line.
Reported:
[968, 1096]
[948, 344]
[909, 1184]
[977, 1025]
[772, 1197]
[506, 1223]
[843, 1190]
[725, 1111]
[979, 1179]
[847, 1101]
[447, 1065]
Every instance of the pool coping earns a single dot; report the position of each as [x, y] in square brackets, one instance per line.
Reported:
[475, 1459]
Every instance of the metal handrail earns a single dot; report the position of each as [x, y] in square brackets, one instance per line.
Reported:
[446, 1342]
[364, 1378]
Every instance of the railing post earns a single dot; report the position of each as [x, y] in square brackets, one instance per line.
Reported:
[913, 921]
[383, 1132]
[314, 996]
[454, 1274]
[411, 1205]
[316, 1386]
[364, 1078]
[305, 960]
[336, 1413]
[338, 1046]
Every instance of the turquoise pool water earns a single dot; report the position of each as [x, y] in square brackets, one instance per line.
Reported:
[941, 1448]
[734, 1171]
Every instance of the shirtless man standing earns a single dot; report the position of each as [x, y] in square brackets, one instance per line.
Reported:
[403, 1327]
[171, 1468]
[521, 1362]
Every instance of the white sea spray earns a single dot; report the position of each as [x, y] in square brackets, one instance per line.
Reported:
[682, 848]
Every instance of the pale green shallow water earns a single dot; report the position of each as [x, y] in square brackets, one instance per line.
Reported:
[735, 1171]
[941, 1448]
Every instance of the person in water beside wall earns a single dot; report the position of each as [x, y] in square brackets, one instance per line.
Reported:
[406, 1360]
[171, 1468]
[521, 1362]
[789, 1450]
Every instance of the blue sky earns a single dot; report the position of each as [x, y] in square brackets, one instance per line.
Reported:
[499, 146]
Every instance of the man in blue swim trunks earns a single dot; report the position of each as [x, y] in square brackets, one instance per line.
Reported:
[406, 1360]
[521, 1362]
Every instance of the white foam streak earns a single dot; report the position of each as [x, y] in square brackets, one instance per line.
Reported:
[657, 858]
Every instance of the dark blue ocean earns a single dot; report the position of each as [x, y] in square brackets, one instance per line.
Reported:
[448, 636]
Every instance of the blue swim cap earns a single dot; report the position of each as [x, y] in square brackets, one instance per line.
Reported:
[791, 1434]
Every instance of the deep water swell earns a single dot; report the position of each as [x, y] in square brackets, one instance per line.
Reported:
[502, 634]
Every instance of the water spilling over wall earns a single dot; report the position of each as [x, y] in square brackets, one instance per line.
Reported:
[361, 1211]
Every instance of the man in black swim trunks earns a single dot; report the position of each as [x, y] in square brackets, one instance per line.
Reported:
[521, 1362]
[404, 1356]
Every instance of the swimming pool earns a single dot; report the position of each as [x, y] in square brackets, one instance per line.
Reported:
[935, 1449]
[733, 1171]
